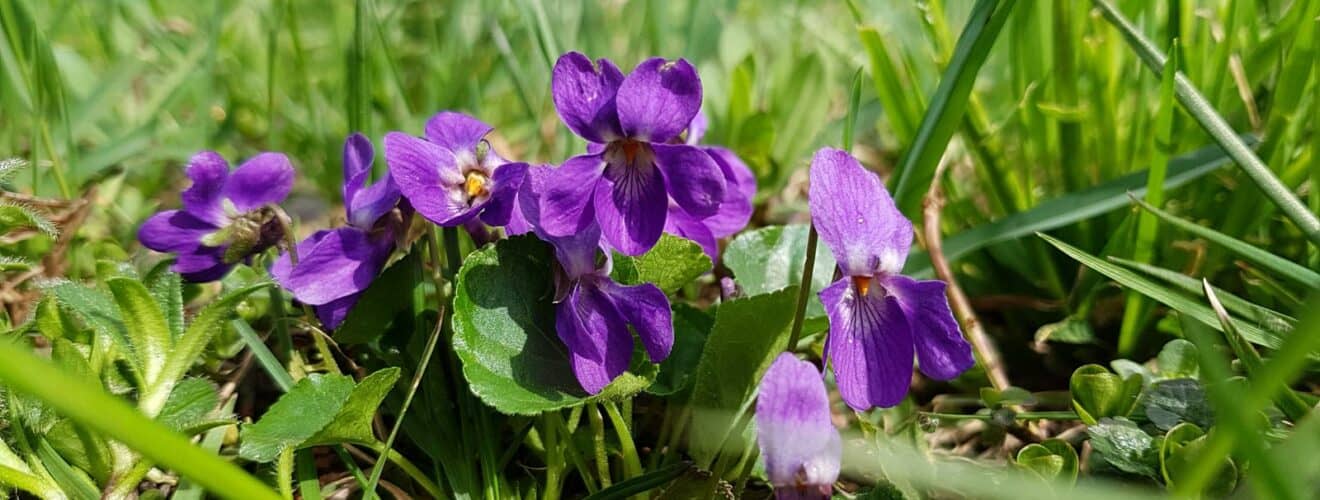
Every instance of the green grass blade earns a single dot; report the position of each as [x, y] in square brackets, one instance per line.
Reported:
[947, 106]
[1071, 208]
[1260, 315]
[1143, 250]
[1218, 128]
[1236, 422]
[641, 484]
[1162, 294]
[1287, 363]
[1287, 401]
[88, 405]
[1278, 265]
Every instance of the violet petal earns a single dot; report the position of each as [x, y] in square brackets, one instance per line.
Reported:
[428, 177]
[630, 206]
[584, 96]
[942, 352]
[692, 178]
[679, 223]
[658, 99]
[504, 192]
[263, 179]
[646, 308]
[798, 441]
[208, 172]
[342, 263]
[456, 131]
[173, 231]
[599, 345]
[870, 346]
[856, 217]
[736, 208]
[565, 201]
[358, 156]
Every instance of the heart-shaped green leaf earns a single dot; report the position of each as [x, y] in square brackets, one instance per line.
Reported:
[1125, 446]
[1178, 360]
[1098, 393]
[771, 258]
[671, 264]
[1052, 459]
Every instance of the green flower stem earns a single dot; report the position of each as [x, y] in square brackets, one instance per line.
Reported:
[554, 456]
[632, 464]
[598, 440]
[749, 463]
[309, 485]
[579, 462]
[369, 492]
[804, 290]
[284, 473]
[453, 260]
[88, 405]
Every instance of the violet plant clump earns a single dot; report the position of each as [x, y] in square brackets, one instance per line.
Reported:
[335, 266]
[877, 316]
[226, 216]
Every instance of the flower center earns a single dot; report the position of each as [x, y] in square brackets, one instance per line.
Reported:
[629, 153]
[476, 185]
[862, 284]
[246, 233]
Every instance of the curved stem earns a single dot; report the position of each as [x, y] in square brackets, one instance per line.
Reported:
[284, 473]
[598, 439]
[804, 289]
[632, 464]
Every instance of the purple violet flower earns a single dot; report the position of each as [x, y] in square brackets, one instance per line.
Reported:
[336, 265]
[453, 175]
[799, 443]
[625, 182]
[226, 217]
[877, 316]
[592, 312]
[736, 208]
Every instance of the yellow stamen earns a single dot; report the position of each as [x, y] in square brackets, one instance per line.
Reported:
[863, 284]
[475, 185]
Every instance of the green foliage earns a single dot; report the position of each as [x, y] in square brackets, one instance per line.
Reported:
[770, 258]
[691, 329]
[504, 333]
[747, 334]
[1097, 393]
[1052, 459]
[319, 410]
[379, 305]
[1121, 444]
[1172, 402]
[671, 264]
